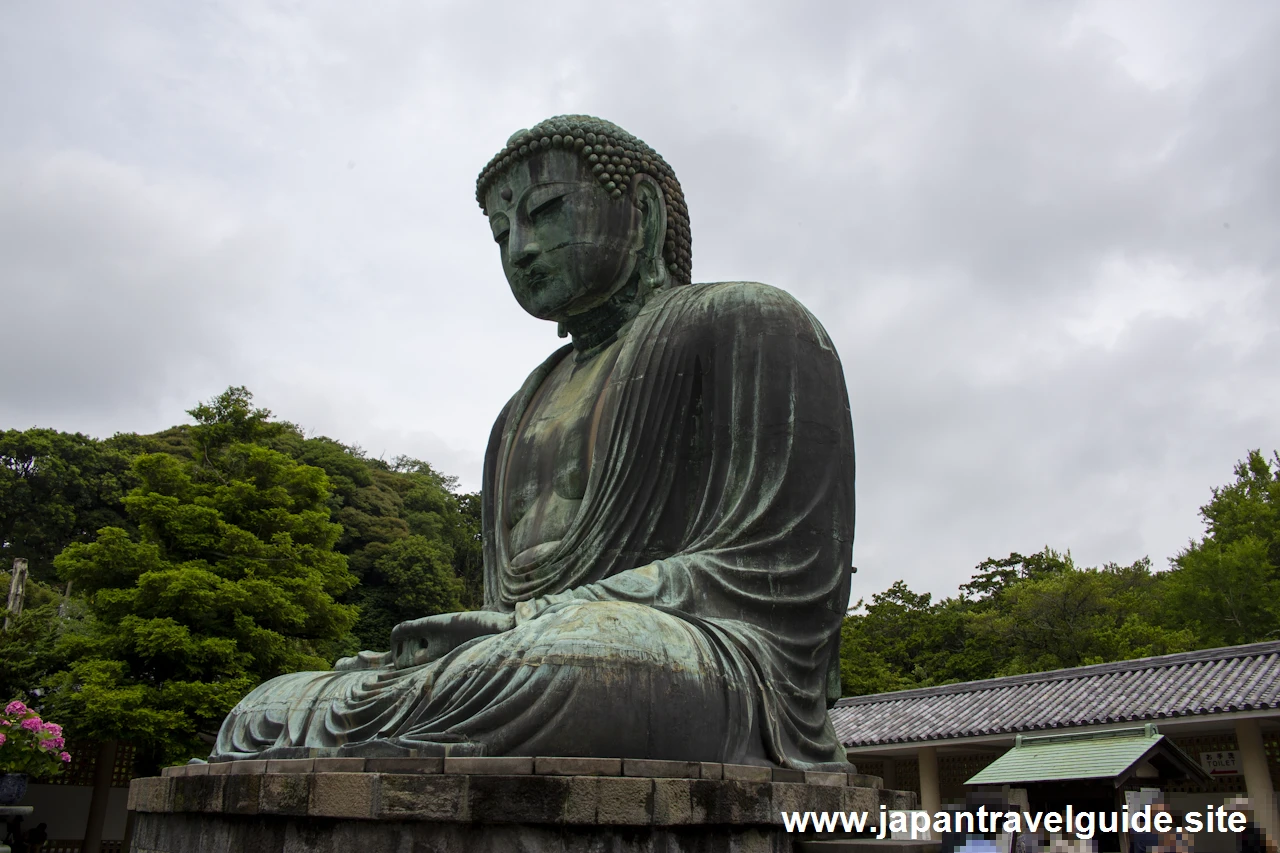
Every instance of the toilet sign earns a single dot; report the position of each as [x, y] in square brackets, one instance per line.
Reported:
[1221, 763]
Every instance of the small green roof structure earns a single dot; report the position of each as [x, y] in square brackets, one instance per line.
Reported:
[1117, 755]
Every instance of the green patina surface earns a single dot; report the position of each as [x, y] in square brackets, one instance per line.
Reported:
[668, 507]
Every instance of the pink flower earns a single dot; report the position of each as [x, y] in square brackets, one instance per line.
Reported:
[65, 757]
[51, 729]
[56, 743]
[15, 707]
[31, 724]
[2, 739]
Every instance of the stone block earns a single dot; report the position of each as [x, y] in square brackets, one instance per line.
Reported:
[220, 768]
[790, 797]
[897, 800]
[342, 794]
[338, 765]
[582, 801]
[658, 769]
[285, 793]
[673, 802]
[517, 799]
[785, 774]
[248, 768]
[197, 770]
[624, 802]
[861, 780]
[704, 799]
[833, 780]
[242, 794]
[151, 794]
[198, 793]
[710, 770]
[740, 802]
[404, 765]
[745, 773]
[423, 796]
[291, 765]
[571, 766]
[860, 800]
[479, 765]
[820, 798]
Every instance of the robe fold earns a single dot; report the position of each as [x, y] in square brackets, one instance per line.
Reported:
[693, 607]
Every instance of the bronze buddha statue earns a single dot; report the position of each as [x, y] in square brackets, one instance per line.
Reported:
[668, 508]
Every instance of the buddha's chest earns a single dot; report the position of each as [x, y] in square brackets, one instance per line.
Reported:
[550, 455]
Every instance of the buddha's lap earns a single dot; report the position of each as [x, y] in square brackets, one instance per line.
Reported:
[611, 645]
[583, 678]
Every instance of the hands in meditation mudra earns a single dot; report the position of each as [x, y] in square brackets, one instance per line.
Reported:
[668, 508]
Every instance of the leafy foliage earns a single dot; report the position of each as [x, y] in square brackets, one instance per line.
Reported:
[1227, 585]
[208, 557]
[1041, 612]
[232, 580]
[57, 488]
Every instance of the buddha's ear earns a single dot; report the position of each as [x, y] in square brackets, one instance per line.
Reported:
[653, 229]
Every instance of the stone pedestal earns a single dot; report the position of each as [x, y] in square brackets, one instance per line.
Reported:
[486, 805]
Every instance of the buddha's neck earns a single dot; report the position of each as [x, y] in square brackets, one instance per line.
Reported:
[596, 328]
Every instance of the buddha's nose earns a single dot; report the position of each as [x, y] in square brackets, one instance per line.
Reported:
[525, 255]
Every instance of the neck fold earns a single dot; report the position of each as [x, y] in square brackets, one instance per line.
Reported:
[596, 328]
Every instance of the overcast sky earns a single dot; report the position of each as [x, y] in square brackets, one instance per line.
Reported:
[1045, 237]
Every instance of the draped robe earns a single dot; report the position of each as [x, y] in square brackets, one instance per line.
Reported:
[692, 609]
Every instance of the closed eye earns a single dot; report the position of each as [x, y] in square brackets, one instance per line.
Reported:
[551, 205]
[501, 227]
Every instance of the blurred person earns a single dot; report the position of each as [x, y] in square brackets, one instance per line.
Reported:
[1253, 838]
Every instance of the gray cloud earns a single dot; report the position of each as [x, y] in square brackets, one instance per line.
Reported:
[1042, 236]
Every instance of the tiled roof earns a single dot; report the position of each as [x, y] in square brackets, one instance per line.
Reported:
[1114, 754]
[1212, 681]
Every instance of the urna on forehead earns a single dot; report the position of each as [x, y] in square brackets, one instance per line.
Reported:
[616, 158]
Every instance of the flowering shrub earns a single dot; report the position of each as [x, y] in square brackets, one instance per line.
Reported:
[28, 744]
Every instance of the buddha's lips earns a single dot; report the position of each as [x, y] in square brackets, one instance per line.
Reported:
[535, 279]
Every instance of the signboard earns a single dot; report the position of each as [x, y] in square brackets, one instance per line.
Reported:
[1136, 801]
[1222, 763]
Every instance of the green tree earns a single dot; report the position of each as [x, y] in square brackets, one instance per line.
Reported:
[1017, 614]
[26, 649]
[57, 488]
[381, 506]
[1074, 617]
[411, 577]
[1227, 585]
[232, 579]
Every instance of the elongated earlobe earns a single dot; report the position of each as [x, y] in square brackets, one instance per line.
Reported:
[653, 228]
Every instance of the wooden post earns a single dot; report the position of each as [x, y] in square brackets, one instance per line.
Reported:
[102, 772]
[17, 591]
[930, 790]
[1257, 776]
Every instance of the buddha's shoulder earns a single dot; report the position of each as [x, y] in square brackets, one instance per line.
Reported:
[742, 298]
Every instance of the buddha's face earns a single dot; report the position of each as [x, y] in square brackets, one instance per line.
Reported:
[566, 245]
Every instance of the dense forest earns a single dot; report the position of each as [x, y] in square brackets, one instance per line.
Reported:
[170, 573]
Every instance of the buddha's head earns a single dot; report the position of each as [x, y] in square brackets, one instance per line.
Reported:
[581, 211]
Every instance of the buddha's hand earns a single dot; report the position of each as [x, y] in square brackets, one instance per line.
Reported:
[432, 637]
[364, 660]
